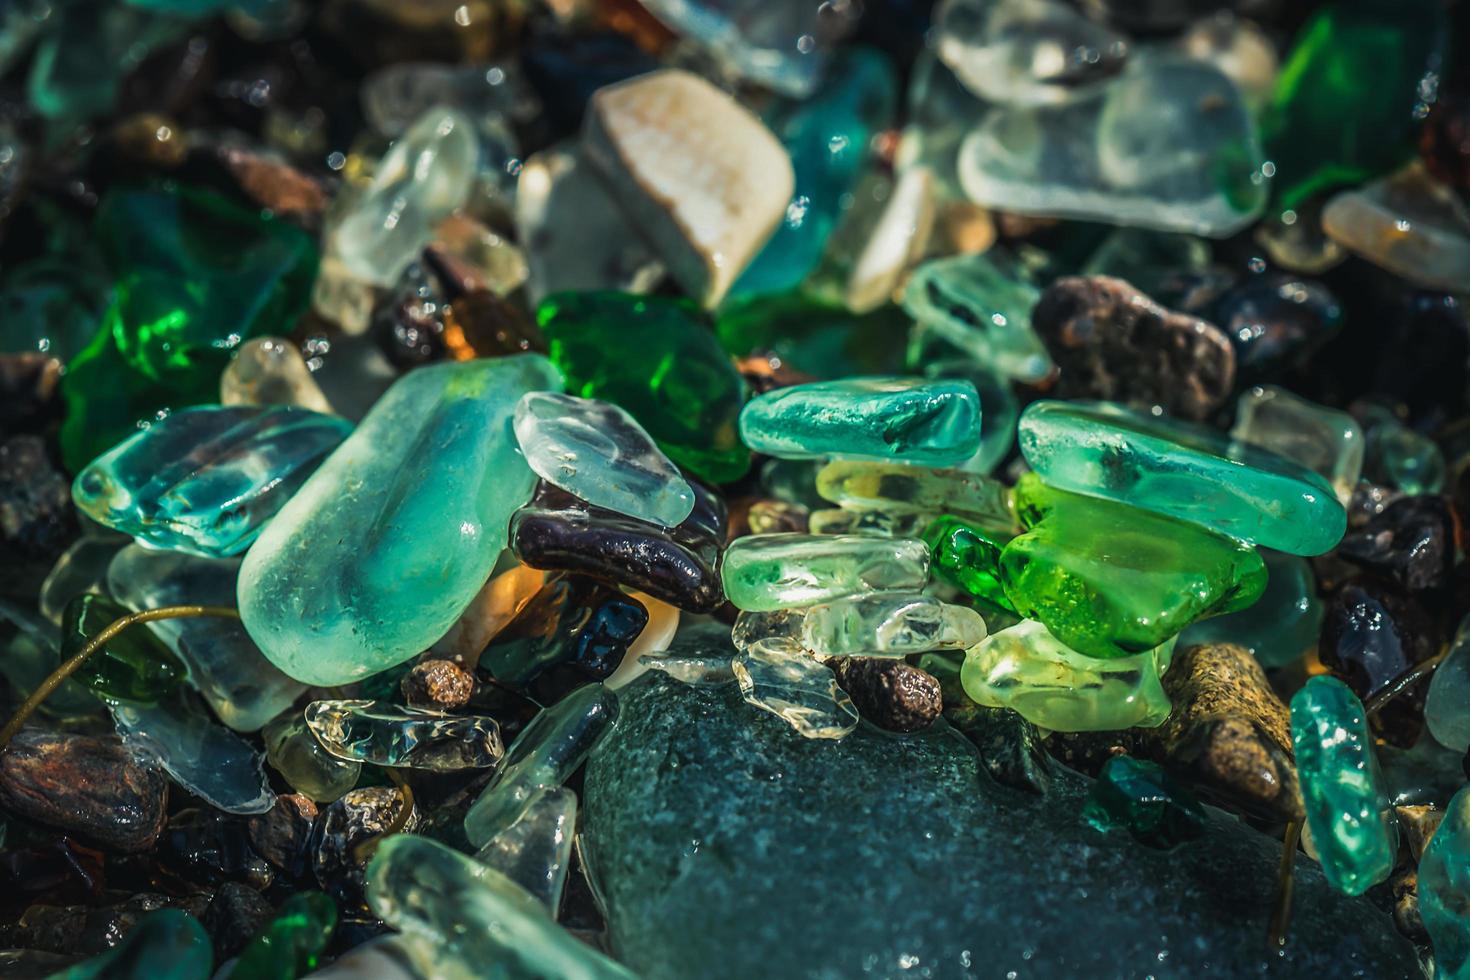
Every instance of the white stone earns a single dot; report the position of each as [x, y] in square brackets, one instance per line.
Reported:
[897, 242]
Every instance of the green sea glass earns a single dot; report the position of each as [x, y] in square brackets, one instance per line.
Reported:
[1348, 808]
[382, 549]
[1281, 626]
[1049, 684]
[680, 387]
[936, 423]
[892, 486]
[1110, 580]
[763, 572]
[132, 666]
[1189, 473]
[967, 556]
[167, 944]
[293, 943]
[883, 624]
[475, 916]
[1444, 890]
[309, 769]
[1140, 797]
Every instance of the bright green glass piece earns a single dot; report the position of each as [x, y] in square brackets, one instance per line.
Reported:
[168, 944]
[132, 666]
[478, 919]
[1351, 94]
[763, 572]
[292, 944]
[1049, 684]
[1347, 803]
[385, 545]
[882, 624]
[1140, 797]
[823, 339]
[1111, 580]
[675, 380]
[936, 423]
[1444, 890]
[1181, 471]
[862, 485]
[967, 556]
[1282, 625]
[195, 276]
[982, 306]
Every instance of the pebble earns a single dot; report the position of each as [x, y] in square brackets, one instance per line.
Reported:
[282, 833]
[357, 817]
[437, 685]
[894, 695]
[1411, 542]
[37, 521]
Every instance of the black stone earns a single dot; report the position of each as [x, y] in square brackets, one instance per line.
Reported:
[355, 819]
[1009, 746]
[892, 694]
[37, 519]
[1412, 542]
[1272, 319]
[282, 834]
[207, 846]
[233, 918]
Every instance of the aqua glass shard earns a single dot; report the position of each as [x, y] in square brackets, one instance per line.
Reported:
[201, 755]
[1444, 889]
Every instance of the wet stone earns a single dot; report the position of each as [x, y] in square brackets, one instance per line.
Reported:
[236, 913]
[1111, 342]
[1142, 798]
[281, 834]
[203, 844]
[1009, 746]
[439, 685]
[558, 532]
[83, 785]
[1412, 543]
[37, 521]
[356, 818]
[891, 694]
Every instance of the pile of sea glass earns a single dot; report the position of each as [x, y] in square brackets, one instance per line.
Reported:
[734, 488]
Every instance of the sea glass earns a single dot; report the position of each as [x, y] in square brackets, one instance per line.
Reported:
[1444, 889]
[1281, 626]
[883, 624]
[294, 752]
[132, 666]
[1327, 442]
[388, 542]
[271, 371]
[1447, 706]
[292, 944]
[535, 852]
[778, 571]
[797, 689]
[967, 557]
[883, 523]
[1408, 223]
[202, 756]
[167, 944]
[1142, 798]
[205, 480]
[889, 486]
[409, 738]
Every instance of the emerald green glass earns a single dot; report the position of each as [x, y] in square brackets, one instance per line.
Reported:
[132, 666]
[292, 944]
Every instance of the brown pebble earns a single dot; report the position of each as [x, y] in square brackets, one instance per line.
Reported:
[29, 400]
[1418, 824]
[766, 371]
[1112, 342]
[1404, 887]
[282, 833]
[37, 519]
[440, 685]
[892, 694]
[85, 785]
[274, 184]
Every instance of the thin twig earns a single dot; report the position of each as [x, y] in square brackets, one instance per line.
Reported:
[367, 848]
[1285, 882]
[111, 630]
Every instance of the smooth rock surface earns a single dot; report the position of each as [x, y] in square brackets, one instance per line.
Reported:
[913, 864]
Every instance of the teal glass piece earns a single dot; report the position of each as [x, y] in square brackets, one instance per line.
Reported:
[936, 423]
[167, 944]
[50, 306]
[828, 137]
[1348, 808]
[535, 852]
[764, 572]
[200, 755]
[543, 756]
[205, 480]
[931, 355]
[1399, 457]
[385, 545]
[1444, 889]
[1447, 706]
[982, 305]
[132, 666]
[474, 916]
[1140, 797]
[681, 387]
[1190, 473]
[815, 336]
[225, 666]
[598, 452]
[293, 943]
[1283, 624]
[79, 64]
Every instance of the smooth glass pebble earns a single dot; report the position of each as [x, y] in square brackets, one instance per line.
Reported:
[1145, 800]
[1184, 472]
[967, 556]
[271, 371]
[1325, 441]
[202, 756]
[1240, 49]
[133, 666]
[598, 452]
[1444, 889]
[294, 752]
[892, 486]
[474, 915]
[396, 96]
[1400, 457]
[543, 756]
[778, 571]
[781, 48]
[225, 666]
[423, 177]
[998, 433]
[873, 250]
[1053, 686]
[410, 738]
[941, 112]
[1410, 224]
[385, 545]
[883, 624]
[1447, 706]
[935, 423]
[700, 177]
[681, 387]
[535, 852]
[292, 944]
[1347, 804]
[799, 690]
[1141, 152]
[205, 480]
[166, 944]
[882, 523]
[1110, 580]
[1027, 52]
[80, 62]
[982, 305]
[1281, 626]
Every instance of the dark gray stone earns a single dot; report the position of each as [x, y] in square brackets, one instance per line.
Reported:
[726, 845]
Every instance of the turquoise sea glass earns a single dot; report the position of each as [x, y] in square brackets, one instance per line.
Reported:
[1190, 473]
[205, 480]
[385, 545]
[165, 945]
[1444, 890]
[982, 305]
